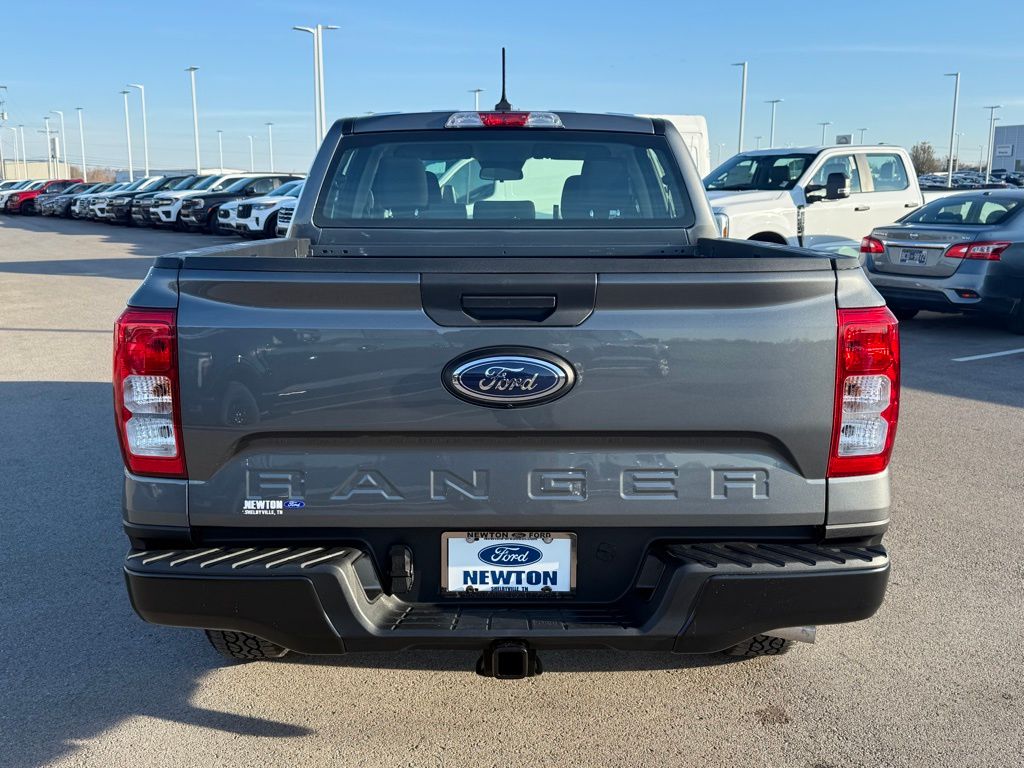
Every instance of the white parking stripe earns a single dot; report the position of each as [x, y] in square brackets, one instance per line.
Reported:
[990, 354]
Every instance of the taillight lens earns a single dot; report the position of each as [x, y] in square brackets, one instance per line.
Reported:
[867, 392]
[146, 402]
[871, 245]
[981, 251]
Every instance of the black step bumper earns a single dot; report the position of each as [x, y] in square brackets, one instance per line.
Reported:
[692, 598]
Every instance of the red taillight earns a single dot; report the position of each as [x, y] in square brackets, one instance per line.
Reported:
[871, 245]
[867, 392]
[146, 403]
[981, 251]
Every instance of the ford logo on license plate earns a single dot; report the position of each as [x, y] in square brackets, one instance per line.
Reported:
[510, 555]
[506, 378]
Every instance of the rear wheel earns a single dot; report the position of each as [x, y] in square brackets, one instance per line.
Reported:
[760, 645]
[241, 646]
[270, 227]
[1015, 322]
[904, 313]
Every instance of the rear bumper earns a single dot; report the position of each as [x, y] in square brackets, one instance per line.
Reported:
[687, 598]
[988, 287]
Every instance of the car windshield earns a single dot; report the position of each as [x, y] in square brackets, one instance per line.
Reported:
[289, 189]
[497, 178]
[232, 185]
[185, 183]
[168, 184]
[975, 211]
[204, 183]
[74, 188]
[134, 185]
[767, 172]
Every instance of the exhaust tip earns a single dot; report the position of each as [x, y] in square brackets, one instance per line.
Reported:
[796, 634]
[509, 660]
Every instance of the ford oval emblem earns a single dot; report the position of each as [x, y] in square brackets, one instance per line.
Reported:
[510, 377]
[510, 555]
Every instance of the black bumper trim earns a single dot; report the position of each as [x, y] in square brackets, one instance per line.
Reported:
[324, 600]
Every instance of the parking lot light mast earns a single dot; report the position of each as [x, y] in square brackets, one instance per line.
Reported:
[24, 155]
[824, 127]
[17, 173]
[63, 143]
[195, 116]
[145, 123]
[952, 128]
[956, 152]
[743, 103]
[252, 157]
[316, 84]
[991, 138]
[320, 28]
[862, 132]
[220, 149]
[49, 151]
[476, 98]
[81, 141]
[771, 134]
[128, 135]
[270, 138]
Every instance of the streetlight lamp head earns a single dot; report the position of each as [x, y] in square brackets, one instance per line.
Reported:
[305, 29]
[125, 92]
[331, 26]
[191, 69]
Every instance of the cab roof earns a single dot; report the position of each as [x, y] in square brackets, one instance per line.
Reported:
[428, 121]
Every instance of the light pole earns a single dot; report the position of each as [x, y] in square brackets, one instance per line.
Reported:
[81, 140]
[721, 146]
[743, 103]
[49, 151]
[220, 149]
[319, 112]
[991, 138]
[63, 143]
[771, 134]
[252, 157]
[952, 127]
[270, 138]
[476, 97]
[24, 156]
[757, 139]
[20, 174]
[956, 165]
[824, 127]
[862, 132]
[195, 116]
[128, 135]
[145, 123]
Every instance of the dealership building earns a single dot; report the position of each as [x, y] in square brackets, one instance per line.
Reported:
[1008, 153]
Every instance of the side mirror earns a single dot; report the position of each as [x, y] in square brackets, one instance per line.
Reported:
[837, 186]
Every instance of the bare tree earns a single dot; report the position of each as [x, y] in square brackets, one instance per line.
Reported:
[922, 155]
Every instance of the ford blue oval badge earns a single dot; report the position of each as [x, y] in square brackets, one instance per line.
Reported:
[294, 504]
[506, 378]
[510, 555]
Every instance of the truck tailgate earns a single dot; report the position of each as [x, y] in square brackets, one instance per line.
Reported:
[703, 398]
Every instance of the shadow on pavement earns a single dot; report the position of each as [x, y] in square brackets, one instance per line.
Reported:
[77, 661]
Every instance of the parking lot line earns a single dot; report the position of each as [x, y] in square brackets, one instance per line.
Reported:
[990, 354]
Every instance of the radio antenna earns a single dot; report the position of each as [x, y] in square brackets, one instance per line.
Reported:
[503, 105]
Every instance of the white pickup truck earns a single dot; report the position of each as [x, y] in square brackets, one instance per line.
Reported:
[826, 198]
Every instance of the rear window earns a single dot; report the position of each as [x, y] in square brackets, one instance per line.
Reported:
[974, 211]
[494, 178]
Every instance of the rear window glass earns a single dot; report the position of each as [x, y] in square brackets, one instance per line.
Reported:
[983, 211]
[494, 178]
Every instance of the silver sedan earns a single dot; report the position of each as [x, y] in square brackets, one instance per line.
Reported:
[960, 253]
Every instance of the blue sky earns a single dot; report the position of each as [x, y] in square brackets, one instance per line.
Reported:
[857, 64]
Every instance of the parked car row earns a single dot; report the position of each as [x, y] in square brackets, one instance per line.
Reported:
[972, 180]
[247, 204]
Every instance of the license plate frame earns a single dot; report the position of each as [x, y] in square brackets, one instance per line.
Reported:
[916, 256]
[478, 540]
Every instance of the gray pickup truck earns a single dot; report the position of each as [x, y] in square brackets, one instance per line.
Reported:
[504, 389]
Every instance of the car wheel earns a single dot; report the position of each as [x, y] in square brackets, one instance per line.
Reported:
[903, 314]
[28, 208]
[241, 646]
[1015, 322]
[760, 645]
[270, 227]
[212, 224]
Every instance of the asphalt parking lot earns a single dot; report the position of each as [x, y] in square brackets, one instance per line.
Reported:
[936, 678]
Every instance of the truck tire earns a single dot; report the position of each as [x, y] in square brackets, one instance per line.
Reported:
[241, 646]
[760, 645]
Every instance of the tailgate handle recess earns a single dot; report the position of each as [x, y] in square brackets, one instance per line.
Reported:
[527, 308]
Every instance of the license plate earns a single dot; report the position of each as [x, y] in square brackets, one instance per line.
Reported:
[913, 256]
[508, 562]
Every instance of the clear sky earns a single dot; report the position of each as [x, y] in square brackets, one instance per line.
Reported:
[856, 64]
